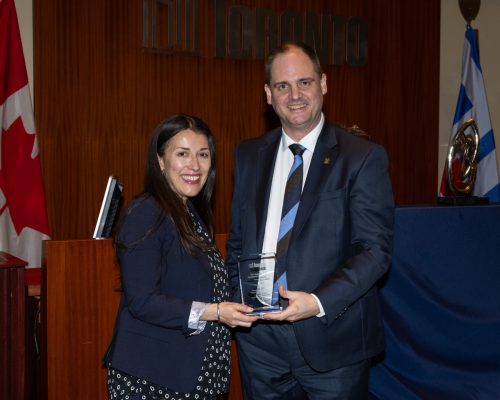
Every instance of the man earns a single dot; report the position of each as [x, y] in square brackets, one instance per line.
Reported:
[340, 245]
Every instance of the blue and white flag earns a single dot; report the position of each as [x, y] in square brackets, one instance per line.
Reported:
[472, 103]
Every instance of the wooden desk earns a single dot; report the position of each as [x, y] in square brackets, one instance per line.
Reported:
[12, 327]
[33, 279]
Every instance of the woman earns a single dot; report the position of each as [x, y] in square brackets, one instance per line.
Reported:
[171, 340]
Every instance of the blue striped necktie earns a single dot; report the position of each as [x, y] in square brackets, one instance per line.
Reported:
[291, 200]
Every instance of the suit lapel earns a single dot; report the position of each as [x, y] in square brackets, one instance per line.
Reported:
[322, 162]
[265, 167]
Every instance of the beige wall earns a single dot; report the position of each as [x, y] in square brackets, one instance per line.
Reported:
[25, 16]
[452, 38]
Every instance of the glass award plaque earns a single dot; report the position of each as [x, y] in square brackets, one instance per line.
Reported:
[257, 273]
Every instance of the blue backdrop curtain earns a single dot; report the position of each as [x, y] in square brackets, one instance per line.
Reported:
[441, 306]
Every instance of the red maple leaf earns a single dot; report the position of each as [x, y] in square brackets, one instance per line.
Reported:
[21, 180]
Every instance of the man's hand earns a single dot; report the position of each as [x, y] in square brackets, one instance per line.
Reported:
[301, 305]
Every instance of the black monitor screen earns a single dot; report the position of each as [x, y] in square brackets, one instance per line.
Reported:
[109, 208]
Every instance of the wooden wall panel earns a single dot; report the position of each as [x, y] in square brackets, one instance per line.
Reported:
[99, 95]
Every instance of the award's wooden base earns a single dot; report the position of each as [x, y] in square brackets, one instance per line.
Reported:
[462, 201]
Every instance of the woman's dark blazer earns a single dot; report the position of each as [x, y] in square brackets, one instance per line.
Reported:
[159, 280]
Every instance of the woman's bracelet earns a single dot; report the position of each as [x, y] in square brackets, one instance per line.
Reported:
[218, 313]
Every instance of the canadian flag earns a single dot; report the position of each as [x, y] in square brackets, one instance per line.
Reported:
[23, 216]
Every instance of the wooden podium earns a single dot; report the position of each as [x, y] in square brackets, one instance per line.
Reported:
[79, 299]
[12, 327]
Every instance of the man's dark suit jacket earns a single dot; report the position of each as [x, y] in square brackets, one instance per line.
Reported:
[341, 242]
[160, 280]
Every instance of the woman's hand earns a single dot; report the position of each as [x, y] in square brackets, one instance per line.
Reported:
[229, 313]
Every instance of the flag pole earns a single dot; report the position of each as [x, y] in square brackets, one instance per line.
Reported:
[469, 10]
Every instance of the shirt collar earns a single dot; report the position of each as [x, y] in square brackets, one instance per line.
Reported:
[309, 141]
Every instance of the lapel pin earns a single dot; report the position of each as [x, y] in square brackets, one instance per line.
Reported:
[327, 161]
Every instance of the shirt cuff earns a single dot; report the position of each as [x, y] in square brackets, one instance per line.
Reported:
[197, 310]
[321, 309]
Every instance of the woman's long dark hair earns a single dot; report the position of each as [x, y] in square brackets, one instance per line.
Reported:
[155, 184]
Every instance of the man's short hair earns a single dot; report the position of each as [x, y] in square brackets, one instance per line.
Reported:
[284, 48]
